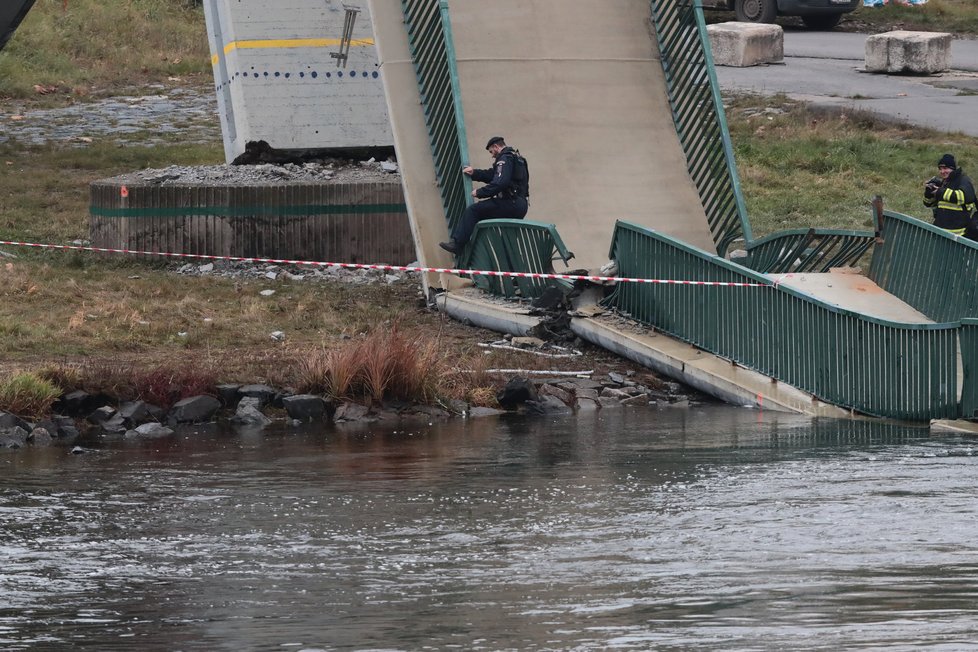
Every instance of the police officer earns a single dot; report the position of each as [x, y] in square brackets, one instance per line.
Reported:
[504, 195]
[952, 196]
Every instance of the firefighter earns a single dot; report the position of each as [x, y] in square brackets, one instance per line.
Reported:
[503, 197]
[952, 196]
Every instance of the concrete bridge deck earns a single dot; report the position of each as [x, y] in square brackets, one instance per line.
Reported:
[579, 92]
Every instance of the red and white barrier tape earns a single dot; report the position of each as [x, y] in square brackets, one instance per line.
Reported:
[387, 268]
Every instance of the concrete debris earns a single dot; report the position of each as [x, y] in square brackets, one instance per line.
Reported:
[309, 274]
[326, 169]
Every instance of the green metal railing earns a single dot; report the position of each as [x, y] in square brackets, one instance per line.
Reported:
[514, 246]
[927, 267]
[873, 366]
[807, 250]
[969, 356]
[697, 110]
[429, 33]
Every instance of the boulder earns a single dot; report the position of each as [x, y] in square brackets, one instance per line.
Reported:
[575, 384]
[263, 392]
[518, 390]
[547, 405]
[591, 394]
[115, 425]
[249, 413]
[40, 437]
[617, 394]
[58, 426]
[586, 404]
[196, 409]
[305, 407]
[561, 395]
[432, 412]
[136, 412]
[79, 403]
[9, 421]
[903, 51]
[16, 437]
[101, 415]
[74, 402]
[149, 431]
[351, 412]
[746, 44]
[228, 395]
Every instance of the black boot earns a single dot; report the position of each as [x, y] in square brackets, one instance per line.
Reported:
[451, 246]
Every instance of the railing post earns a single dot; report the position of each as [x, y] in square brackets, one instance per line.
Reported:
[968, 338]
[877, 204]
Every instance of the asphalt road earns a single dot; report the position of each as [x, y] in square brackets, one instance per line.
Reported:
[826, 69]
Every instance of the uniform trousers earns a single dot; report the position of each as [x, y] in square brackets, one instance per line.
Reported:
[496, 208]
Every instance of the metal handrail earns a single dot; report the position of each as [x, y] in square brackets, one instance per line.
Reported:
[429, 33]
[697, 111]
[929, 268]
[515, 246]
[871, 365]
[808, 250]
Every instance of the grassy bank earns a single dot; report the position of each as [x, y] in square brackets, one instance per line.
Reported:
[956, 16]
[801, 168]
[81, 48]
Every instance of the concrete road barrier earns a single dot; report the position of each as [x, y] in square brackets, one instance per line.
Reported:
[746, 44]
[903, 51]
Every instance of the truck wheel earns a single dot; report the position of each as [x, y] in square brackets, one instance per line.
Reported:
[821, 21]
[756, 11]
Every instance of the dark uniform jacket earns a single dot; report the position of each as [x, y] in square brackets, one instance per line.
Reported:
[499, 179]
[953, 201]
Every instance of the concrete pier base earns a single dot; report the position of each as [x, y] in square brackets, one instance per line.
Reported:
[322, 222]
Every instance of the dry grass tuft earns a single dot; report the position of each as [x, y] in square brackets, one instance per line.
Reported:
[159, 385]
[312, 373]
[385, 364]
[344, 370]
[482, 397]
[28, 395]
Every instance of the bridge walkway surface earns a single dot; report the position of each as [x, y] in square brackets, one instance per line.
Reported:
[615, 104]
[579, 93]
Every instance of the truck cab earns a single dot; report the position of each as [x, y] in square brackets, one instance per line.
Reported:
[816, 14]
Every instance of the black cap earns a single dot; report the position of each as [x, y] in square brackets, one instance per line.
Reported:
[495, 140]
[947, 161]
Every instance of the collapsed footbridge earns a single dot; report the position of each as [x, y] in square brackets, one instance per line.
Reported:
[616, 106]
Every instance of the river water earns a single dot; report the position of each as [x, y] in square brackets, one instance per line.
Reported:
[713, 528]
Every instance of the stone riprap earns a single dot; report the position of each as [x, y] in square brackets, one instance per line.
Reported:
[183, 115]
[746, 44]
[903, 51]
[257, 406]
